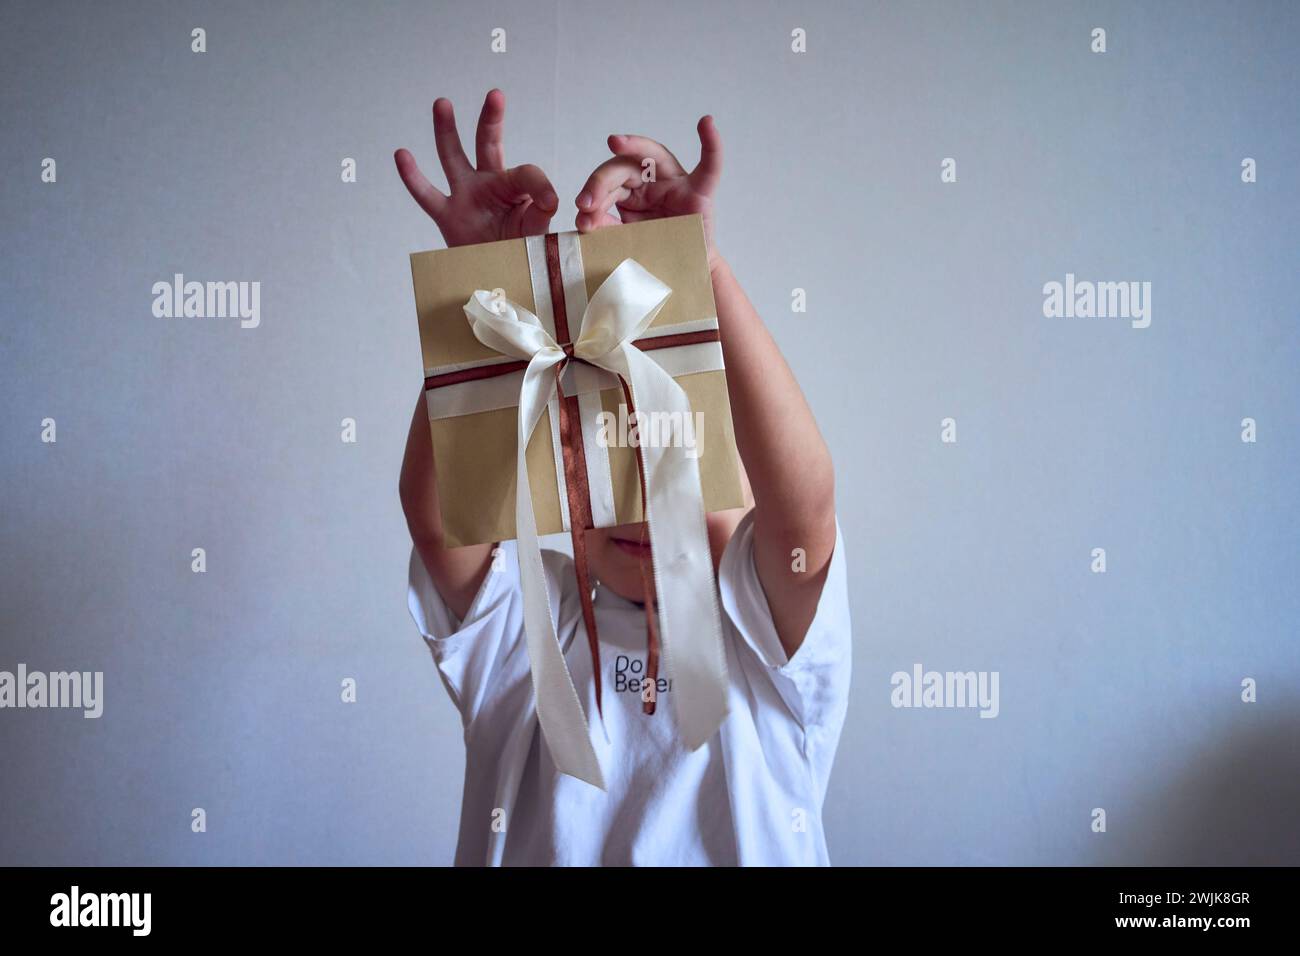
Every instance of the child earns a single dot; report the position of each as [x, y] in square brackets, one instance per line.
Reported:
[752, 794]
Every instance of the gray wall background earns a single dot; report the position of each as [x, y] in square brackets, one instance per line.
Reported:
[1118, 691]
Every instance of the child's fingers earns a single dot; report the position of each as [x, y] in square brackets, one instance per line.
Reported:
[705, 176]
[529, 181]
[422, 191]
[642, 147]
[454, 161]
[535, 220]
[489, 149]
[591, 221]
[627, 214]
[611, 182]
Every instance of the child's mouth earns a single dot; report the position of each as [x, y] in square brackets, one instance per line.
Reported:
[632, 546]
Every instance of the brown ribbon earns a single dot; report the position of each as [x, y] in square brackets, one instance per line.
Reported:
[575, 461]
[575, 466]
[647, 583]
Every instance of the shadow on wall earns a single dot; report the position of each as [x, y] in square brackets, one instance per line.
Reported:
[1238, 804]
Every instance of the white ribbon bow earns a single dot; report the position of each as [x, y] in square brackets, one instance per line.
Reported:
[690, 629]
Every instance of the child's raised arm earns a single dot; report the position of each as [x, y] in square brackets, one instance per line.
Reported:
[788, 463]
[486, 203]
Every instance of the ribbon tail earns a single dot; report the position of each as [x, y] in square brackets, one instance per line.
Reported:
[559, 711]
[690, 635]
[649, 697]
[578, 495]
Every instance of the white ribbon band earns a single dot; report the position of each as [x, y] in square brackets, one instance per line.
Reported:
[540, 278]
[502, 391]
[600, 481]
[619, 312]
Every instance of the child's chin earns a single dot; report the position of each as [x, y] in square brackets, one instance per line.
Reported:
[626, 588]
[619, 569]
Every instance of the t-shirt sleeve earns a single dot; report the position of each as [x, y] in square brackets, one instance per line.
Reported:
[471, 654]
[814, 683]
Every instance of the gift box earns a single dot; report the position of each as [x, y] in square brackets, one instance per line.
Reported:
[574, 382]
[473, 421]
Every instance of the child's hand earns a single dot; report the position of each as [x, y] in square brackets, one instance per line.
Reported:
[621, 182]
[487, 203]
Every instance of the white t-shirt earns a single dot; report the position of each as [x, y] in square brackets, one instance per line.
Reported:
[750, 796]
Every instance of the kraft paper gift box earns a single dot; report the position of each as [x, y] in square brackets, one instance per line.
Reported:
[474, 450]
[537, 343]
